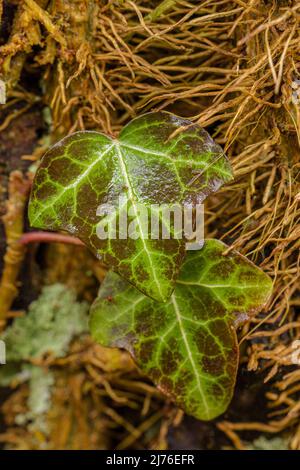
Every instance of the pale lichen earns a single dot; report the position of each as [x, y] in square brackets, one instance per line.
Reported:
[51, 323]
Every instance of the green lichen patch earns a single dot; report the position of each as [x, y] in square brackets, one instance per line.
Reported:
[52, 321]
[49, 326]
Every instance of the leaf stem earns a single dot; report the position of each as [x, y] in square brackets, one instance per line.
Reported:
[49, 237]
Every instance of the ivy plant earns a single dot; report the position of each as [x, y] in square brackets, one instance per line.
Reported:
[188, 345]
[175, 311]
[158, 159]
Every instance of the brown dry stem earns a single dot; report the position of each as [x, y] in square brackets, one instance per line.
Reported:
[13, 222]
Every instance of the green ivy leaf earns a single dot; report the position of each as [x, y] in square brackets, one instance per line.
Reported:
[158, 159]
[187, 346]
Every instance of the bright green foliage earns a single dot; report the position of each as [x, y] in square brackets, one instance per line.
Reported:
[184, 339]
[187, 346]
[49, 326]
[159, 158]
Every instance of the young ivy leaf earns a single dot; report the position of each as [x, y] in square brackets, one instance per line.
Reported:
[159, 158]
[187, 346]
